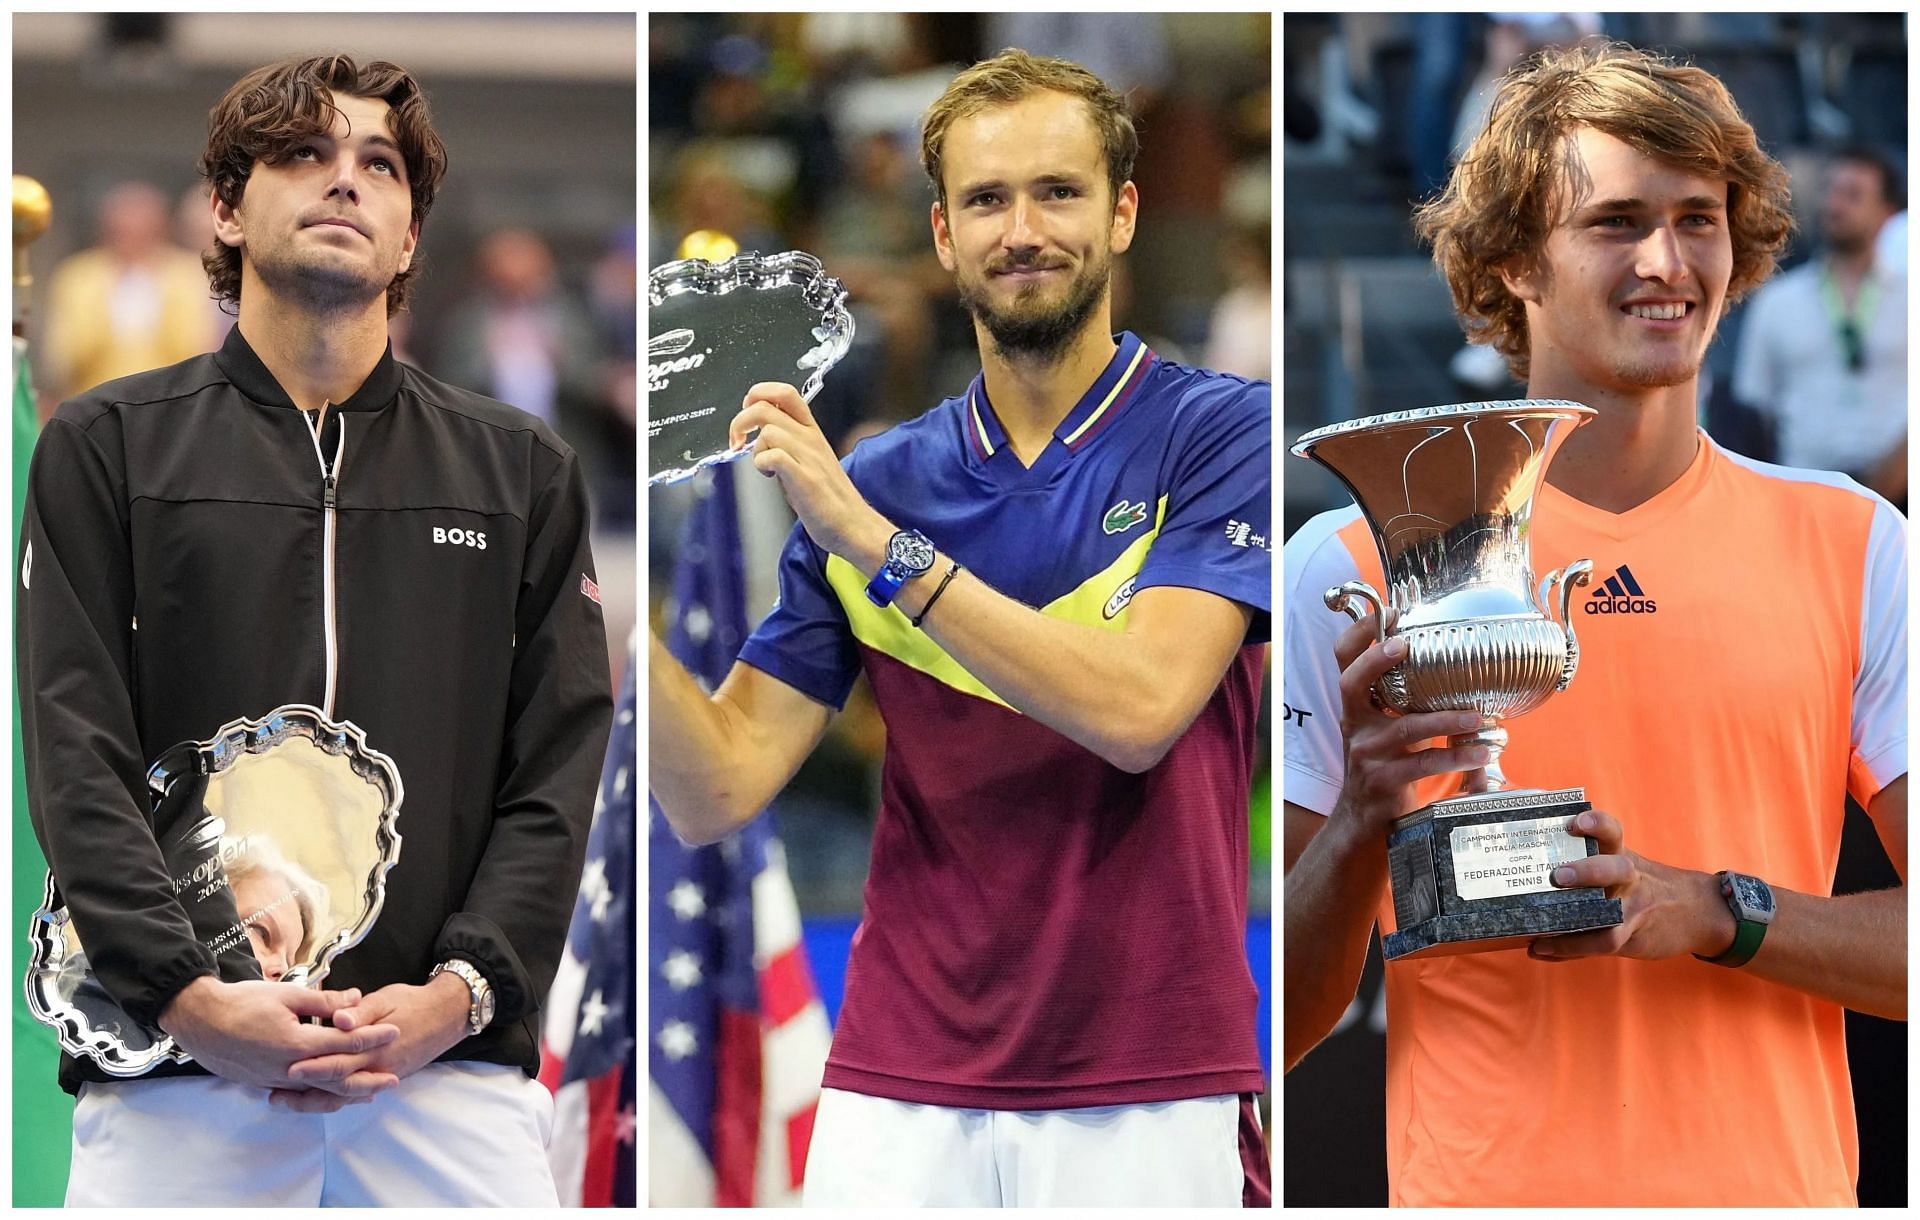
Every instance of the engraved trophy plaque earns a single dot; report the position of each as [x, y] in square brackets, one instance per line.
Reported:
[1448, 493]
[717, 329]
[277, 835]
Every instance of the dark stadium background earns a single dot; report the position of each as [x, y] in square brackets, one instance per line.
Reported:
[1368, 327]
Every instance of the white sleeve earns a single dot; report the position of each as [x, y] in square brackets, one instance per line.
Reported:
[1315, 560]
[1753, 381]
[1880, 688]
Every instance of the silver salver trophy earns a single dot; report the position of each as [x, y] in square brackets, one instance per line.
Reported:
[277, 834]
[717, 329]
[1448, 494]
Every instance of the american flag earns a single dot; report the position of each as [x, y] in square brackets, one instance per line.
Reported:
[737, 1036]
[588, 1054]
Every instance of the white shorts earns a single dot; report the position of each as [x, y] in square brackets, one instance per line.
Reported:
[874, 1151]
[451, 1134]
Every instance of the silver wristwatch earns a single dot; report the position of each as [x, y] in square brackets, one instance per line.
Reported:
[480, 1010]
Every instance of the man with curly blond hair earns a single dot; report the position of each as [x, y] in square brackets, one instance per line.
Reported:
[1745, 642]
[300, 518]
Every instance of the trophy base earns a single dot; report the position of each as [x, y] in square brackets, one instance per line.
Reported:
[1470, 874]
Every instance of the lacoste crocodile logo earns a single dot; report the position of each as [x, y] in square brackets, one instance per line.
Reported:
[1124, 516]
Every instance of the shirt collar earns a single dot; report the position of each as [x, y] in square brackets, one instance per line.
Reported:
[243, 367]
[1111, 392]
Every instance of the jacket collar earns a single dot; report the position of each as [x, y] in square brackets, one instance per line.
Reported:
[243, 367]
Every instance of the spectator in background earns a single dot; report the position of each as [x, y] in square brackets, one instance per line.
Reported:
[134, 302]
[1823, 354]
[1129, 51]
[613, 302]
[521, 340]
[193, 230]
[1240, 331]
[709, 193]
[874, 229]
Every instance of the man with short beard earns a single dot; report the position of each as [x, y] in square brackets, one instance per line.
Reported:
[1057, 584]
[297, 518]
[1743, 669]
[1823, 353]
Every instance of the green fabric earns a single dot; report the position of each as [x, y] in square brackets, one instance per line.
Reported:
[1261, 819]
[42, 1114]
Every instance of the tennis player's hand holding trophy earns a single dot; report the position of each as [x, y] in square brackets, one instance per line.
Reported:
[1448, 493]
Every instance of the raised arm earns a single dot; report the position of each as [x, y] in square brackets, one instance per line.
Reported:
[1125, 695]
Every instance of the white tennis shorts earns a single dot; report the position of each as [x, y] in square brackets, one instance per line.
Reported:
[450, 1135]
[874, 1151]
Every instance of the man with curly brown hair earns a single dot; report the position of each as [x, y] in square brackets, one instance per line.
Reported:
[1745, 648]
[299, 518]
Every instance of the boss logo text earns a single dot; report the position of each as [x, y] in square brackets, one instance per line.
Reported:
[459, 537]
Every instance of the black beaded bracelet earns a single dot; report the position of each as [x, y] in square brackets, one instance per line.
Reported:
[946, 580]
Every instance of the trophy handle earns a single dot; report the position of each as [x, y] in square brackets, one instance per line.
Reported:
[1576, 573]
[1342, 598]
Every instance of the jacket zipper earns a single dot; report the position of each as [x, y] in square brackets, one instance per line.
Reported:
[329, 579]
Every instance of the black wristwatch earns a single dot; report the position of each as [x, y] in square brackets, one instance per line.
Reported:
[1751, 901]
[909, 554]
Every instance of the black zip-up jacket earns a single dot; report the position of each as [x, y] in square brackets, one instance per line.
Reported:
[173, 576]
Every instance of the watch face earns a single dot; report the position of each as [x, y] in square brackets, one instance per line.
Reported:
[911, 550]
[1751, 894]
[486, 1008]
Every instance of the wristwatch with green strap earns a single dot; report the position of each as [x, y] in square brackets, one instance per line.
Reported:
[1751, 901]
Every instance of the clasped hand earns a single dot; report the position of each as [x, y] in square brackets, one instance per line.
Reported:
[255, 1033]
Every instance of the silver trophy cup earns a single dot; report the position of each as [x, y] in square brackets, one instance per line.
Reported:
[1448, 494]
[277, 834]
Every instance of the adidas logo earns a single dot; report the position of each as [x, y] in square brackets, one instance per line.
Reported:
[1621, 594]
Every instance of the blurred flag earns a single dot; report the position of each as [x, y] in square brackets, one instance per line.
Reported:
[588, 1041]
[737, 1036]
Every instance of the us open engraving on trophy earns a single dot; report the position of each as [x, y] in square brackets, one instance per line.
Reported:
[660, 372]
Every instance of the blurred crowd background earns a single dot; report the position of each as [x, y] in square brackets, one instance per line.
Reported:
[802, 131]
[1377, 105]
[529, 280]
[1375, 108]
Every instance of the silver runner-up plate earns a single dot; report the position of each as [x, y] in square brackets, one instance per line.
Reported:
[277, 834]
[717, 329]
